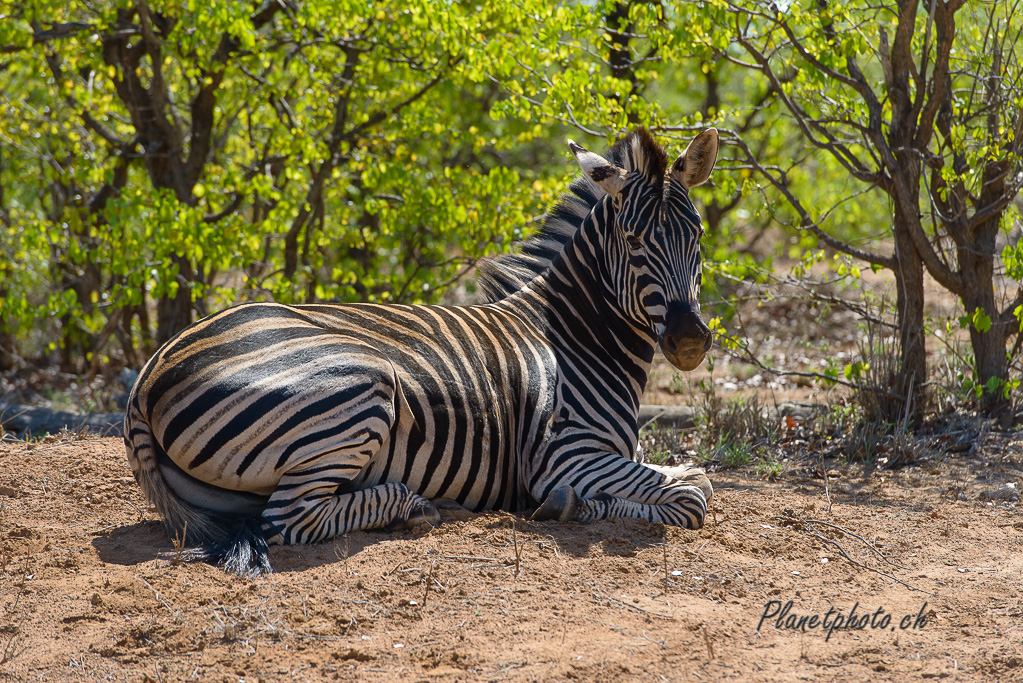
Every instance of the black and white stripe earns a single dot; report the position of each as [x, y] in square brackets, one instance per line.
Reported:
[268, 424]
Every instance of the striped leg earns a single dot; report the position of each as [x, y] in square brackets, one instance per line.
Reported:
[307, 511]
[601, 486]
[317, 498]
[690, 475]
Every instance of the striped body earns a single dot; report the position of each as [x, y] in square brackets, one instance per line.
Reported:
[280, 408]
[298, 423]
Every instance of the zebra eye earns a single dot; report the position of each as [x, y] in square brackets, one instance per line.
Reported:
[634, 242]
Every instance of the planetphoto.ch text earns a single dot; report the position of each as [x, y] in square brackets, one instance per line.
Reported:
[782, 617]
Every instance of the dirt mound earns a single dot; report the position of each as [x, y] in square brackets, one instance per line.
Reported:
[89, 588]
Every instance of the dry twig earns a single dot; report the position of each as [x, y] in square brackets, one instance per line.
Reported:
[846, 555]
[706, 639]
[429, 581]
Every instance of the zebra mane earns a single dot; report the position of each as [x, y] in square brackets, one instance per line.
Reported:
[501, 276]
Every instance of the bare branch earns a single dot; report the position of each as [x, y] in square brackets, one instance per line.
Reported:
[941, 82]
[817, 134]
[1008, 314]
[946, 277]
[805, 220]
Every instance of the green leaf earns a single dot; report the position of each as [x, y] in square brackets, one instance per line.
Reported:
[981, 321]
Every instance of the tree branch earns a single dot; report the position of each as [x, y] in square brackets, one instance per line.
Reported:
[204, 103]
[1008, 314]
[946, 277]
[99, 200]
[165, 117]
[829, 143]
[806, 221]
[232, 206]
[53, 62]
[941, 81]
[315, 191]
[56, 31]
[384, 115]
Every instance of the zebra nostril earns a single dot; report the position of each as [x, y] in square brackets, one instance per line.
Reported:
[668, 344]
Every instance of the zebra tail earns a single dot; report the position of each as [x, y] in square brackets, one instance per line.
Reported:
[242, 551]
[231, 536]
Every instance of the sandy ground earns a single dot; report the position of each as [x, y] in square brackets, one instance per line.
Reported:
[89, 589]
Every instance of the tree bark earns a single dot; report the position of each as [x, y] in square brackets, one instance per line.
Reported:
[174, 313]
[160, 132]
[910, 379]
[977, 264]
[6, 343]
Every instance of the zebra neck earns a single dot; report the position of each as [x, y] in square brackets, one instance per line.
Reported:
[578, 312]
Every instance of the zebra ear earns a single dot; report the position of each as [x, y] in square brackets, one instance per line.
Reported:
[609, 177]
[693, 167]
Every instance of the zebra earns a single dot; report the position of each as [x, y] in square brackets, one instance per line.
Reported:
[269, 424]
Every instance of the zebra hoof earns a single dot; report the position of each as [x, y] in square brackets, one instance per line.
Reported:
[694, 476]
[698, 478]
[562, 504]
[451, 511]
[423, 513]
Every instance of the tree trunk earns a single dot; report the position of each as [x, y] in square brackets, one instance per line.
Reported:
[991, 363]
[909, 381]
[6, 348]
[6, 338]
[977, 265]
[174, 313]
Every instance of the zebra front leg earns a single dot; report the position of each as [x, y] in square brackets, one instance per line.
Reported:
[606, 485]
[300, 511]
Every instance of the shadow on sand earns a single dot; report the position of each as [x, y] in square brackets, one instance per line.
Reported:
[145, 541]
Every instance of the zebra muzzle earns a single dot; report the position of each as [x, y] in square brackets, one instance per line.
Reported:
[685, 340]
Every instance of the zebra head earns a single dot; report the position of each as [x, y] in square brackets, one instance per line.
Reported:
[651, 237]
